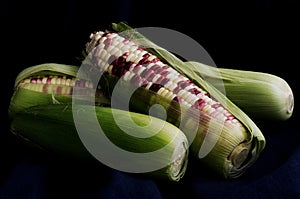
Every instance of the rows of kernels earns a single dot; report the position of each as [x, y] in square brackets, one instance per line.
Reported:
[151, 72]
[61, 85]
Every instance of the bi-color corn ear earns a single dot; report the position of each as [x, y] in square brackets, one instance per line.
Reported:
[236, 140]
[41, 112]
[261, 95]
[55, 81]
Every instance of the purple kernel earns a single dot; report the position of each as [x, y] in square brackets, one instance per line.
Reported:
[144, 73]
[155, 60]
[164, 81]
[107, 43]
[155, 67]
[215, 106]
[33, 80]
[125, 41]
[159, 80]
[146, 55]
[165, 72]
[155, 87]
[49, 80]
[137, 68]
[136, 79]
[194, 91]
[149, 72]
[177, 89]
[151, 76]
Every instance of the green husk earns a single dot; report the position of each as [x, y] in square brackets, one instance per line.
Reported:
[217, 159]
[36, 118]
[261, 95]
[20, 101]
[52, 128]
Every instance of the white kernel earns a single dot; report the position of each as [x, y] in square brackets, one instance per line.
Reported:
[102, 39]
[133, 48]
[96, 36]
[63, 81]
[171, 76]
[130, 76]
[68, 82]
[101, 46]
[114, 51]
[220, 109]
[109, 70]
[155, 78]
[53, 80]
[105, 67]
[143, 52]
[165, 93]
[115, 42]
[190, 98]
[130, 57]
[102, 54]
[186, 95]
[189, 87]
[118, 53]
[120, 45]
[221, 117]
[72, 82]
[161, 90]
[58, 81]
[100, 63]
[141, 70]
[44, 80]
[177, 79]
[151, 57]
[169, 95]
[210, 110]
[126, 75]
[205, 108]
[120, 39]
[149, 66]
[161, 64]
[110, 48]
[125, 48]
[181, 92]
[186, 104]
[234, 120]
[149, 85]
[107, 56]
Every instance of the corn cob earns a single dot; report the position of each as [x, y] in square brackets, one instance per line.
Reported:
[238, 141]
[32, 109]
[56, 81]
[260, 95]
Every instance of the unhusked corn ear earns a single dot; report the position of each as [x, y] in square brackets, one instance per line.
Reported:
[121, 59]
[261, 95]
[55, 82]
[52, 128]
[44, 116]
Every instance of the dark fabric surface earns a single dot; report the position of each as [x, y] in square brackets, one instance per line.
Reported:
[252, 35]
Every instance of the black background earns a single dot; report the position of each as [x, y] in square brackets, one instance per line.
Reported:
[259, 35]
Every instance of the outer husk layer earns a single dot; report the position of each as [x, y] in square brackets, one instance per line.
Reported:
[223, 156]
[35, 117]
[260, 95]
